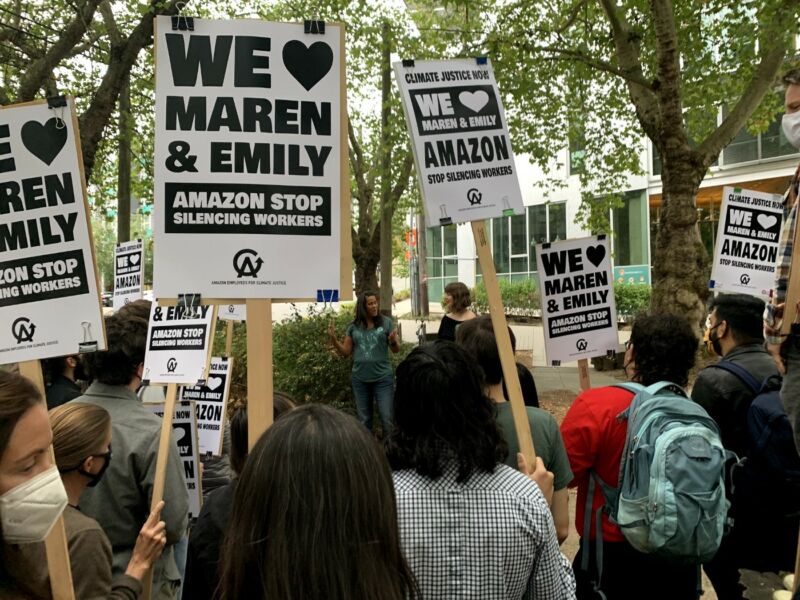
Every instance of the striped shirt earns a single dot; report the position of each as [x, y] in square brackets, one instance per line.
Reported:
[784, 264]
[489, 538]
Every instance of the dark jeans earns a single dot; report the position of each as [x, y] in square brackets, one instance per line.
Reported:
[628, 574]
[382, 391]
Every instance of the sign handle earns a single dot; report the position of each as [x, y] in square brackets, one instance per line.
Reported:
[56, 543]
[796, 584]
[510, 375]
[161, 468]
[583, 374]
[259, 368]
[229, 339]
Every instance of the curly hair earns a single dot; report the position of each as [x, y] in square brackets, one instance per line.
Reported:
[127, 338]
[460, 295]
[664, 348]
[441, 413]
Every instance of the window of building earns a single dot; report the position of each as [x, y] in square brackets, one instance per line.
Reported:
[628, 235]
[442, 250]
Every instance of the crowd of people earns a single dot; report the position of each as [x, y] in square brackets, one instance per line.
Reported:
[444, 505]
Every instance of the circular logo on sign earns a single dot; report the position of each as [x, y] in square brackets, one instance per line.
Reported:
[172, 364]
[744, 279]
[581, 344]
[247, 263]
[474, 197]
[23, 329]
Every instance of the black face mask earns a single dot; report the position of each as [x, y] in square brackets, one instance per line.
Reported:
[94, 478]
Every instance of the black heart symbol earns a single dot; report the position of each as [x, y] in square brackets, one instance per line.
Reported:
[44, 141]
[308, 65]
[596, 254]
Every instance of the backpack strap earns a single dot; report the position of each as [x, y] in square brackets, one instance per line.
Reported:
[598, 534]
[740, 372]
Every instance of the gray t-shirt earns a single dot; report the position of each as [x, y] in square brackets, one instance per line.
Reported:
[547, 441]
[371, 351]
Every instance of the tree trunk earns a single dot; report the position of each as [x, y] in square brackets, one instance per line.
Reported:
[680, 283]
[124, 171]
[366, 272]
[387, 211]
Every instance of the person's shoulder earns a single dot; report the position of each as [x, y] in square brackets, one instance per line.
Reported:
[511, 483]
[82, 529]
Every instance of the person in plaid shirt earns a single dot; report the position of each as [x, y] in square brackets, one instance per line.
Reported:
[471, 527]
[785, 349]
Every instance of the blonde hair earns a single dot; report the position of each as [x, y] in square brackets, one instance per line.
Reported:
[78, 431]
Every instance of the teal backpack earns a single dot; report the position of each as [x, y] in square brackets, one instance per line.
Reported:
[671, 496]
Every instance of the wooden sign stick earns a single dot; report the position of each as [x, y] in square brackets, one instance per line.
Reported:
[229, 339]
[583, 374]
[792, 289]
[55, 545]
[161, 468]
[796, 584]
[510, 375]
[259, 368]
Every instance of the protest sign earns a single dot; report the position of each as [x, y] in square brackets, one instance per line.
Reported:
[178, 344]
[184, 427]
[251, 176]
[210, 401]
[47, 266]
[128, 273]
[747, 242]
[232, 312]
[577, 299]
[460, 140]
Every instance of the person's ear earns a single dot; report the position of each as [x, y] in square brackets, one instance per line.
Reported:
[140, 370]
[87, 464]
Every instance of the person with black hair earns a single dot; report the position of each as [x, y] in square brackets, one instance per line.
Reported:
[62, 374]
[368, 339]
[661, 348]
[734, 332]
[477, 337]
[762, 541]
[205, 539]
[315, 516]
[471, 527]
[121, 500]
[457, 301]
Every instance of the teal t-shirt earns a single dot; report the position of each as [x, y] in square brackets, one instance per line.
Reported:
[547, 441]
[371, 351]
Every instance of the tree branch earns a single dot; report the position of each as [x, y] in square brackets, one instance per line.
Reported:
[37, 74]
[628, 58]
[772, 55]
[668, 68]
[571, 17]
[96, 117]
[596, 63]
[110, 22]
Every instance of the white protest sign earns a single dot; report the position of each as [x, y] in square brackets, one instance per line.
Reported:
[128, 272]
[251, 180]
[747, 242]
[49, 299]
[178, 344]
[184, 426]
[210, 402]
[233, 312]
[578, 307]
[460, 140]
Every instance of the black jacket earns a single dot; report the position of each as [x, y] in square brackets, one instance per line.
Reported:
[205, 543]
[727, 398]
[61, 391]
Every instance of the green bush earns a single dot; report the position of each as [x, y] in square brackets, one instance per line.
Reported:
[305, 366]
[520, 298]
[632, 298]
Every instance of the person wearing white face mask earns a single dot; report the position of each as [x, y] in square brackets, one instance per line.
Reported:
[82, 447]
[786, 349]
[34, 492]
[32, 496]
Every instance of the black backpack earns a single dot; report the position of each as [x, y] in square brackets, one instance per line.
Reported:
[772, 463]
